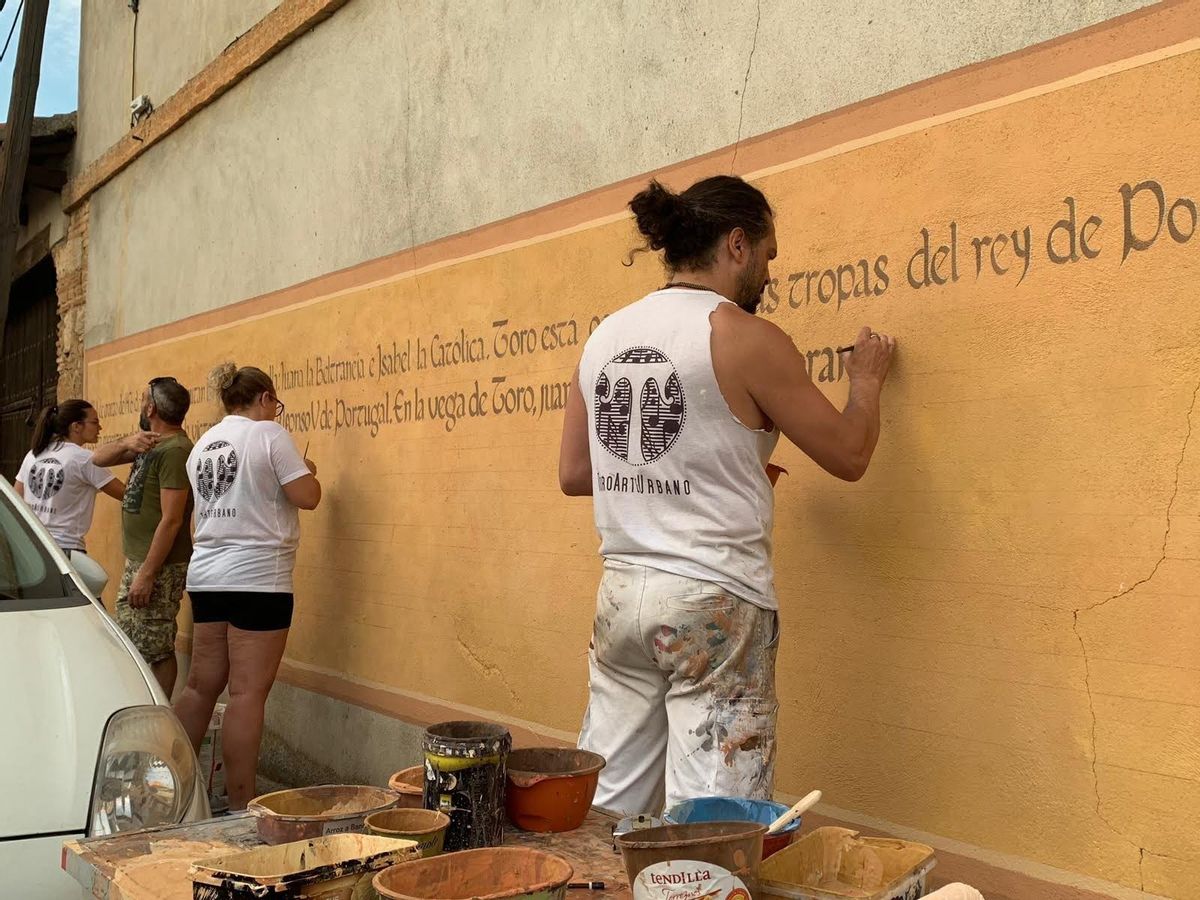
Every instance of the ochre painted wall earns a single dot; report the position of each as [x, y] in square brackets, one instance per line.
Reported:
[994, 636]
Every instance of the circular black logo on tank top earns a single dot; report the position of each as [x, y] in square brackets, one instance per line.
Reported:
[640, 405]
[216, 468]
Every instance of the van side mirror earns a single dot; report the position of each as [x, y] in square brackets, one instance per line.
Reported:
[90, 571]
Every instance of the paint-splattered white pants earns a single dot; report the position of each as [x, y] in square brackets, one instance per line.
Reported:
[682, 692]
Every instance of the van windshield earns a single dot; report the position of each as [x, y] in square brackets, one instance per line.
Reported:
[29, 577]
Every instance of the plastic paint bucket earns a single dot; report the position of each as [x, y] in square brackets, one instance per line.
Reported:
[488, 874]
[427, 827]
[551, 788]
[709, 859]
[736, 809]
[302, 813]
[464, 778]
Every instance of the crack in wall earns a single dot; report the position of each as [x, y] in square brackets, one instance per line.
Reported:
[737, 144]
[1087, 685]
[1187, 437]
[1087, 668]
[1145, 854]
[485, 668]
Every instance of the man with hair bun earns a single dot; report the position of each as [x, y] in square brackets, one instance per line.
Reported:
[677, 404]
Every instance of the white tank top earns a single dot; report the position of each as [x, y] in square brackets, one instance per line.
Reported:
[679, 484]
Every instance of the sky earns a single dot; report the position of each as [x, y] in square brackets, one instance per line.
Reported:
[59, 84]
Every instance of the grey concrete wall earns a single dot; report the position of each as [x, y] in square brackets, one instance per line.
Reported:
[312, 739]
[394, 124]
[174, 41]
[45, 208]
[105, 78]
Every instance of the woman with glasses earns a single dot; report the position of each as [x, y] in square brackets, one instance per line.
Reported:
[58, 479]
[250, 482]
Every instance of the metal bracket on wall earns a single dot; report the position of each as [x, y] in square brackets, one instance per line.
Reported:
[139, 109]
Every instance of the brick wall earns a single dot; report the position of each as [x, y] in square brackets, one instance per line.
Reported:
[70, 263]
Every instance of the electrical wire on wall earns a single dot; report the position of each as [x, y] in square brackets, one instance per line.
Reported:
[139, 106]
[133, 5]
[16, 19]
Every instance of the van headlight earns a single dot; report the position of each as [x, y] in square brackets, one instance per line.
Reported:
[146, 772]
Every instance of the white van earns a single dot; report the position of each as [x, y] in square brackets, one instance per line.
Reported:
[88, 743]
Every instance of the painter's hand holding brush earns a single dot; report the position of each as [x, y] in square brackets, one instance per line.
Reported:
[312, 466]
[867, 363]
[870, 356]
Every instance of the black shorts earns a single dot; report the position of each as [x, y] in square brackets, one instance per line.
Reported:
[247, 610]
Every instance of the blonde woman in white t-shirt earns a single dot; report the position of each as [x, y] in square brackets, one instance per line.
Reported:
[249, 482]
[58, 479]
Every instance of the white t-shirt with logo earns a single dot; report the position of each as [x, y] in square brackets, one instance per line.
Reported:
[679, 484]
[247, 531]
[60, 487]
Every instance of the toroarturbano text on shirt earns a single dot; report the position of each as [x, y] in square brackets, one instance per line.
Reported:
[678, 483]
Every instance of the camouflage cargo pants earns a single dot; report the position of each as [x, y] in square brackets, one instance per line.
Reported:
[152, 628]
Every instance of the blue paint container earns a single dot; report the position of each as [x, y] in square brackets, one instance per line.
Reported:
[736, 809]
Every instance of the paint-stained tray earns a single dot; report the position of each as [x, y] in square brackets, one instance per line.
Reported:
[339, 867]
[836, 864]
[310, 812]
